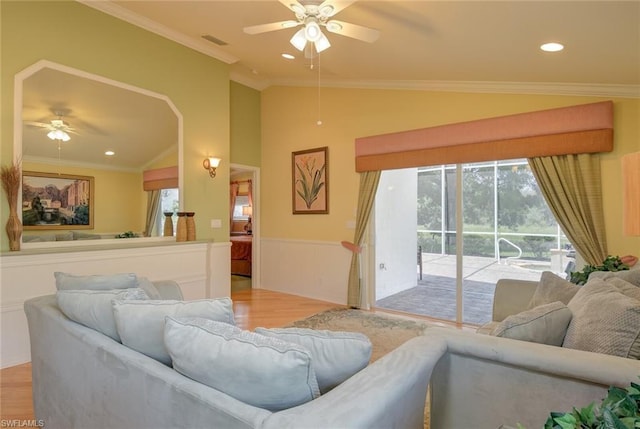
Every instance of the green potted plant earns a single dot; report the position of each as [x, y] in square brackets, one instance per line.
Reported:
[618, 410]
[611, 263]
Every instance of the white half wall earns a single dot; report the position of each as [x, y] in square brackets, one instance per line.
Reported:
[313, 269]
[396, 237]
[200, 268]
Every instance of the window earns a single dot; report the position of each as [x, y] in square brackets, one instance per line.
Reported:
[169, 202]
[241, 201]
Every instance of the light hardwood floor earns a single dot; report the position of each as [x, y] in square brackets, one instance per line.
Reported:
[252, 308]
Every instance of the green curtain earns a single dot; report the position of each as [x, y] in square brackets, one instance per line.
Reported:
[153, 201]
[572, 188]
[366, 196]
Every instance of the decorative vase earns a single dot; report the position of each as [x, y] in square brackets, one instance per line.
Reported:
[181, 229]
[168, 224]
[191, 227]
[14, 230]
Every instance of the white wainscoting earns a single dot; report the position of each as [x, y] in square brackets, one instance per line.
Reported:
[201, 269]
[313, 269]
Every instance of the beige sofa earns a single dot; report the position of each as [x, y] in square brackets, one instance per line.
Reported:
[484, 381]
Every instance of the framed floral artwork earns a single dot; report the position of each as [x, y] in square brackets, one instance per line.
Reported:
[310, 180]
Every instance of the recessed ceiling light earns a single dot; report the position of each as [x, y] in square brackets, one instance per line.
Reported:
[109, 153]
[552, 47]
[288, 56]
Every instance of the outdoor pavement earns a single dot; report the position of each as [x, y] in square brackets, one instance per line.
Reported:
[435, 294]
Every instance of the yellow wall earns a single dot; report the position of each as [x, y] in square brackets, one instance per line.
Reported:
[70, 33]
[350, 113]
[114, 193]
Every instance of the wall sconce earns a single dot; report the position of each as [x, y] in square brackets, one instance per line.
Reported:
[211, 164]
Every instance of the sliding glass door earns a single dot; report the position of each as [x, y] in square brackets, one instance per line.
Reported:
[504, 229]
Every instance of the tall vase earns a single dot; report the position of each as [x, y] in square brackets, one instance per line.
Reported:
[191, 227]
[168, 224]
[14, 230]
[181, 229]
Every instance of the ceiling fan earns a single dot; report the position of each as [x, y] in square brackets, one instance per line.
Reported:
[57, 129]
[314, 14]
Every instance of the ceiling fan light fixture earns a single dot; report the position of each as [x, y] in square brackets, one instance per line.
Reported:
[322, 43]
[299, 40]
[312, 30]
[58, 135]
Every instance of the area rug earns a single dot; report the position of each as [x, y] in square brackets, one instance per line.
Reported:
[385, 331]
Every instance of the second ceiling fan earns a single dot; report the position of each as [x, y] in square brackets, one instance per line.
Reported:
[313, 15]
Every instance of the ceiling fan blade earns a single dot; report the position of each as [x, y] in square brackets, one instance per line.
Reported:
[294, 6]
[273, 26]
[352, 30]
[37, 124]
[335, 7]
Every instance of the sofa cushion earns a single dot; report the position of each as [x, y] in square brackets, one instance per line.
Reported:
[631, 276]
[93, 308]
[552, 288]
[604, 321]
[65, 281]
[336, 355]
[262, 371]
[140, 324]
[545, 324]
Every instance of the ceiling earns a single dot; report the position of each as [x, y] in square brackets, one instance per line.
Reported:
[485, 46]
[451, 45]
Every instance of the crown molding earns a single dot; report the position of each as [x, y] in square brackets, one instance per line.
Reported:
[541, 88]
[159, 29]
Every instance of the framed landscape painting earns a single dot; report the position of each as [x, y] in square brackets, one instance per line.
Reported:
[310, 180]
[56, 201]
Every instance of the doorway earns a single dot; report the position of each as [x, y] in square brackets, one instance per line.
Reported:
[244, 231]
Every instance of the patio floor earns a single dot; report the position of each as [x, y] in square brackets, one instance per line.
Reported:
[435, 294]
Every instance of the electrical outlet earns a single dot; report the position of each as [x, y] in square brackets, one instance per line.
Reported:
[216, 223]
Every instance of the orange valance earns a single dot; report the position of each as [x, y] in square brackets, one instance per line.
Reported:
[586, 128]
[160, 178]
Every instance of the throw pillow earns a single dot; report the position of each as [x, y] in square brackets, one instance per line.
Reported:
[92, 308]
[65, 281]
[604, 321]
[140, 324]
[631, 276]
[149, 288]
[545, 324]
[552, 288]
[336, 355]
[265, 372]
[626, 288]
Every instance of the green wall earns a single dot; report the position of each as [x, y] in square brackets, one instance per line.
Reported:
[245, 125]
[75, 35]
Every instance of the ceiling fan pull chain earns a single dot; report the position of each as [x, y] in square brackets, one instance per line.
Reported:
[319, 122]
